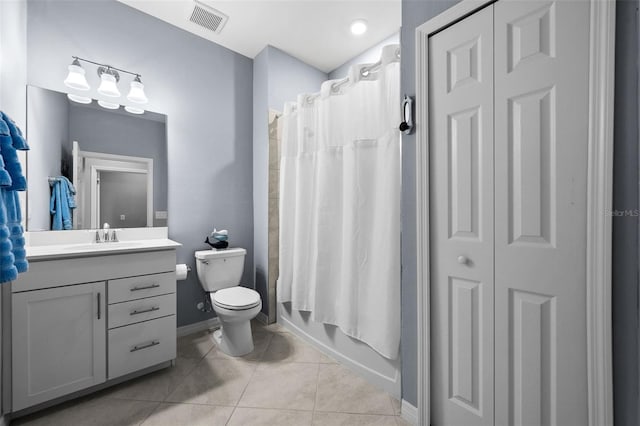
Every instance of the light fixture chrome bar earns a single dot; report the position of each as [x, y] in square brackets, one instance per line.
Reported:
[77, 58]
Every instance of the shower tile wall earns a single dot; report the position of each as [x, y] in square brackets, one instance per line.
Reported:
[274, 192]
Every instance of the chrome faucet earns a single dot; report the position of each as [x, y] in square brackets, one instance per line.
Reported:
[105, 232]
[104, 237]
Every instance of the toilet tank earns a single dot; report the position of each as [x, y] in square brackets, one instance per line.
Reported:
[218, 269]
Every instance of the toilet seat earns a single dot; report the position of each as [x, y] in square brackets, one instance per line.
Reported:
[236, 298]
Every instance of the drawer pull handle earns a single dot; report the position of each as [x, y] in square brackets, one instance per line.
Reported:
[144, 311]
[148, 345]
[146, 287]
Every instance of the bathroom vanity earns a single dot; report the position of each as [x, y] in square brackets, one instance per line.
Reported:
[86, 315]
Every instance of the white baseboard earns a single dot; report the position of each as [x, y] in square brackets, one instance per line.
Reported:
[196, 327]
[409, 412]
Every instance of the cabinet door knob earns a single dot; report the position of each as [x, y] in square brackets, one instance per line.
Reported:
[463, 260]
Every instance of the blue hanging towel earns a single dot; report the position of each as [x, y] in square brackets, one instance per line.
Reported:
[8, 270]
[17, 139]
[62, 202]
[16, 231]
[12, 250]
[5, 138]
[10, 156]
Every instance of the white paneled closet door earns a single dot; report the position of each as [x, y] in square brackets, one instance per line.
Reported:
[462, 187]
[508, 120]
[541, 116]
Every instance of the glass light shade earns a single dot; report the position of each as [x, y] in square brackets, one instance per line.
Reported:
[136, 94]
[133, 110]
[108, 105]
[76, 79]
[108, 86]
[79, 99]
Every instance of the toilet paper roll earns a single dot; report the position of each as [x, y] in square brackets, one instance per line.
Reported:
[181, 272]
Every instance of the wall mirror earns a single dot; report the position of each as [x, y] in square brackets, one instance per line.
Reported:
[116, 163]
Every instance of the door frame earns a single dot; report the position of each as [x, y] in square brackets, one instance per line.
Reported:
[599, 204]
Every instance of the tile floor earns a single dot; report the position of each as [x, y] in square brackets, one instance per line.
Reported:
[284, 381]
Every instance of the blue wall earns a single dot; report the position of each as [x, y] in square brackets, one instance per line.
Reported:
[289, 76]
[626, 356]
[277, 78]
[414, 14]
[204, 89]
[261, 175]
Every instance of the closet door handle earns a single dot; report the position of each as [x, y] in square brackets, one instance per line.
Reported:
[99, 305]
[463, 260]
[148, 345]
[146, 287]
[144, 311]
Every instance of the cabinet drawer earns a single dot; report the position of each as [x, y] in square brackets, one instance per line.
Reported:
[141, 310]
[125, 289]
[141, 345]
[59, 272]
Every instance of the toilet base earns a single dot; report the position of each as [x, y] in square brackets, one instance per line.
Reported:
[234, 339]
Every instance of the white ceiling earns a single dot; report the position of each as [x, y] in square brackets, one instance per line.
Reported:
[314, 31]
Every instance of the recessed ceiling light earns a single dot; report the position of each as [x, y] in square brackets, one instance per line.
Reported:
[359, 26]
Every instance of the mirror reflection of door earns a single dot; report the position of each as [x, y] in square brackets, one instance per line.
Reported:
[122, 198]
[113, 189]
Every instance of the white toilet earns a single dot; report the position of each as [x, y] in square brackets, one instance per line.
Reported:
[219, 272]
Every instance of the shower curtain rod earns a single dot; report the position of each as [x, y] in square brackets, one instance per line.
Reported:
[364, 71]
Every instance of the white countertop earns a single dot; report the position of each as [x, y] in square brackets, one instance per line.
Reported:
[64, 244]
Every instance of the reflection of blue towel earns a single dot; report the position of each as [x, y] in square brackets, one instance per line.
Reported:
[62, 202]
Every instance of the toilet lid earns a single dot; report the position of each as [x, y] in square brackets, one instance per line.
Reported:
[236, 298]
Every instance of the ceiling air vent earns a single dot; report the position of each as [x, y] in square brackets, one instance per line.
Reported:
[208, 17]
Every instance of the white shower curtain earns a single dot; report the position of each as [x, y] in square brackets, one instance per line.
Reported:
[340, 205]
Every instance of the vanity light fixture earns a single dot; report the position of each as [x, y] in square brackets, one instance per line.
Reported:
[359, 27]
[108, 82]
[79, 99]
[109, 79]
[136, 94]
[76, 78]
[108, 105]
[133, 110]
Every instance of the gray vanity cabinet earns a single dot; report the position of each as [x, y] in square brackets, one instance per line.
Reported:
[78, 322]
[59, 346]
